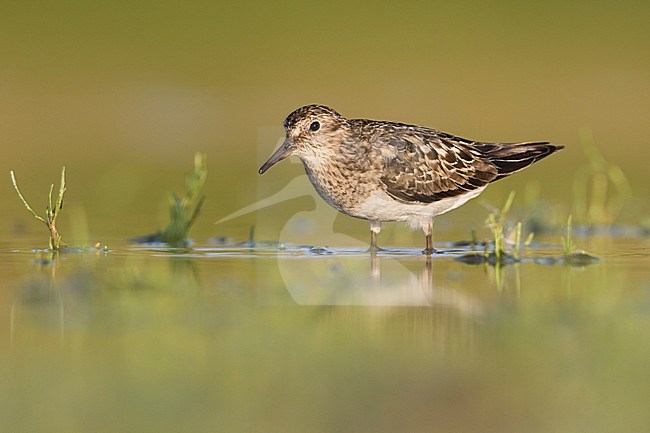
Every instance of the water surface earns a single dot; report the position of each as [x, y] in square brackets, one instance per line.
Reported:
[262, 338]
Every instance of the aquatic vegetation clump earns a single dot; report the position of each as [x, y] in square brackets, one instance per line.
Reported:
[52, 211]
[571, 255]
[183, 211]
[498, 255]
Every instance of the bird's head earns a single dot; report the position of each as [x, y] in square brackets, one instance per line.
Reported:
[312, 131]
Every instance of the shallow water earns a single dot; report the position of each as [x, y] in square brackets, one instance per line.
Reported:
[263, 338]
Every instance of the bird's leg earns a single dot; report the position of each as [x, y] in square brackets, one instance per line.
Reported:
[375, 228]
[427, 228]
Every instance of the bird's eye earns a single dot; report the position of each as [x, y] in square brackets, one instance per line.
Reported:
[315, 126]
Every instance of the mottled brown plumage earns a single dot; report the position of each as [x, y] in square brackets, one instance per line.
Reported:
[388, 171]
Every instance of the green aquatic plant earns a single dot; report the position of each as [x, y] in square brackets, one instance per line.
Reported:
[568, 247]
[571, 255]
[600, 188]
[52, 210]
[183, 211]
[518, 245]
[496, 222]
[496, 252]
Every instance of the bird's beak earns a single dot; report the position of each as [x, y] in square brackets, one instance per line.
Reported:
[283, 151]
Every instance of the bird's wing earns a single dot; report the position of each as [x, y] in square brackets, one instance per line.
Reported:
[424, 165]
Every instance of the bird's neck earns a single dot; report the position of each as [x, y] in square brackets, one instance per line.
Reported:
[340, 176]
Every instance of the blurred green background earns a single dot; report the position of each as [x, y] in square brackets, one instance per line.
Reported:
[124, 93]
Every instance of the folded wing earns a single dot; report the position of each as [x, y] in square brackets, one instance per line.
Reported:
[422, 165]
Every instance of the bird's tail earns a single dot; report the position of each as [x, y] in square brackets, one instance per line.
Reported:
[512, 157]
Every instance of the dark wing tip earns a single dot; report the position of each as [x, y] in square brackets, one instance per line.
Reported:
[512, 157]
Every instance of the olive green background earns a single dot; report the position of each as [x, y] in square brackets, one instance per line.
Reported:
[123, 94]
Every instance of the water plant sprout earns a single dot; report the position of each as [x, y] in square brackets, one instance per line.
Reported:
[497, 229]
[52, 211]
[570, 254]
[499, 254]
[183, 211]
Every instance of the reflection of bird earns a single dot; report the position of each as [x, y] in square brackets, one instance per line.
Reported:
[385, 171]
[342, 279]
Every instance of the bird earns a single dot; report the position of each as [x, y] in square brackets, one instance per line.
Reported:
[384, 171]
